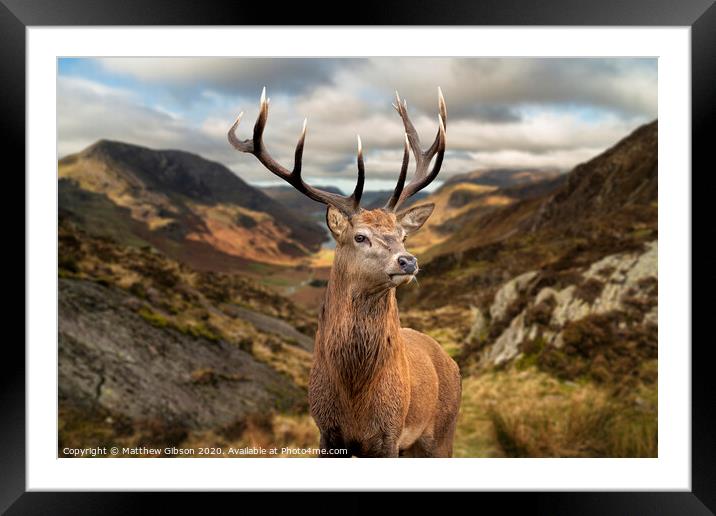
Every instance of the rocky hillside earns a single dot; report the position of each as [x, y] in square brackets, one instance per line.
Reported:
[549, 304]
[601, 321]
[605, 206]
[192, 209]
[152, 350]
[111, 356]
[617, 183]
[466, 197]
[544, 288]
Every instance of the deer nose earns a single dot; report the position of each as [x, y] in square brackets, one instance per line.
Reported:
[408, 263]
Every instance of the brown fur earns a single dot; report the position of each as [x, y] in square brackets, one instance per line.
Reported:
[376, 388]
[378, 219]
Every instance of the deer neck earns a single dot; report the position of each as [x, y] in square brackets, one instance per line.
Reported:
[358, 332]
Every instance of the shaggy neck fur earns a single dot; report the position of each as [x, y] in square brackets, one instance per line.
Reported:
[358, 331]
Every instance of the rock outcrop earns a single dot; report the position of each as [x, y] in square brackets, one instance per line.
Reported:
[111, 357]
[524, 311]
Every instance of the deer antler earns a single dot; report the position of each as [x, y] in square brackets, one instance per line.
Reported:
[347, 204]
[422, 178]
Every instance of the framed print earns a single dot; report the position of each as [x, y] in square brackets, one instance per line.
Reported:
[457, 249]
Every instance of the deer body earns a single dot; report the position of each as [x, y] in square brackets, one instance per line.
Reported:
[375, 388]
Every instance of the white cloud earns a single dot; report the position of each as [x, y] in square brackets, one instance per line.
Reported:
[501, 112]
[89, 111]
[626, 86]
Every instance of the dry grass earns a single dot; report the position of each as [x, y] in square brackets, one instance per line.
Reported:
[478, 195]
[531, 414]
[449, 325]
[291, 435]
[506, 413]
[323, 258]
[293, 361]
[85, 427]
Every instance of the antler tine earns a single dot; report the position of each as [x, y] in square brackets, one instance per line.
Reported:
[358, 190]
[442, 108]
[422, 178]
[401, 179]
[347, 204]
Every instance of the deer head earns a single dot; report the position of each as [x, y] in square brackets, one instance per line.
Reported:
[370, 252]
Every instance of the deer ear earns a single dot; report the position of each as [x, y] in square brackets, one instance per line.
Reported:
[337, 221]
[413, 219]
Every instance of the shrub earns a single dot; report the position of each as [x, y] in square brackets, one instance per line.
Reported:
[157, 432]
[153, 318]
[68, 264]
[605, 347]
[200, 330]
[137, 289]
[589, 290]
[246, 344]
[204, 376]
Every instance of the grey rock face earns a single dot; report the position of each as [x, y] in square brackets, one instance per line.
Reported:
[619, 278]
[509, 293]
[479, 326]
[620, 274]
[110, 355]
[506, 347]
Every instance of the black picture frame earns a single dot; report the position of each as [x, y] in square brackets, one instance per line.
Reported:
[700, 15]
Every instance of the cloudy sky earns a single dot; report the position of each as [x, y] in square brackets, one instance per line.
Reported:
[506, 112]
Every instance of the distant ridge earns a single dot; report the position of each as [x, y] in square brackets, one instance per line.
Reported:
[193, 209]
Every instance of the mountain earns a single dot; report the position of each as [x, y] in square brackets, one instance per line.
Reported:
[504, 177]
[544, 288]
[154, 352]
[378, 198]
[192, 209]
[619, 182]
[549, 303]
[458, 194]
[604, 206]
[296, 201]
[464, 197]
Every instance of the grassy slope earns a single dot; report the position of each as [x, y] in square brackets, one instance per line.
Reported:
[530, 408]
[170, 295]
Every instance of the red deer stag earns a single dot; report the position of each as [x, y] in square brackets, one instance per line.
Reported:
[375, 388]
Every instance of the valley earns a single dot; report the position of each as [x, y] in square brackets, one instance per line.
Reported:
[193, 294]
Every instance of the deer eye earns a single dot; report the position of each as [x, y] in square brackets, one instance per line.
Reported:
[359, 238]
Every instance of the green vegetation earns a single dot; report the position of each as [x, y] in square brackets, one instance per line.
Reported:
[98, 215]
[153, 318]
[174, 297]
[195, 329]
[200, 330]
